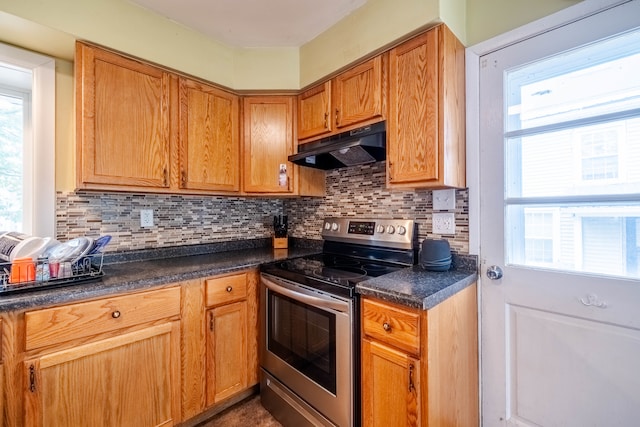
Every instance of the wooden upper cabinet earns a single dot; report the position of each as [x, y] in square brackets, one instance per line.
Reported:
[426, 123]
[209, 141]
[354, 98]
[357, 93]
[268, 142]
[314, 111]
[123, 121]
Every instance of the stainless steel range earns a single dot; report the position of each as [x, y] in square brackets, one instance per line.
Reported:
[310, 321]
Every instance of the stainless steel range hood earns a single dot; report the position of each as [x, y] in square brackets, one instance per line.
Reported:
[356, 147]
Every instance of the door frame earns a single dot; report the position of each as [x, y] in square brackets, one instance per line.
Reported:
[472, 56]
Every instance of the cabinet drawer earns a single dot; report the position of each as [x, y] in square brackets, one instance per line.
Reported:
[392, 325]
[222, 290]
[68, 322]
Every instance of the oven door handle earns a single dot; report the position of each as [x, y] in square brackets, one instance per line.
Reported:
[326, 303]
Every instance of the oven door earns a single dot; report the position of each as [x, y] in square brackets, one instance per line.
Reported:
[307, 345]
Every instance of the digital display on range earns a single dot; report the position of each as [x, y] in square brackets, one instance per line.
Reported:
[362, 227]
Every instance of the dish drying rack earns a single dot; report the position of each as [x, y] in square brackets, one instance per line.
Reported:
[86, 268]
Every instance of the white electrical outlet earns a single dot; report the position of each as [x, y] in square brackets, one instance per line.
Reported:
[444, 223]
[444, 200]
[146, 217]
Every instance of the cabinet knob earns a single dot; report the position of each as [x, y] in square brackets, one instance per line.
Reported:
[386, 326]
[115, 314]
[229, 288]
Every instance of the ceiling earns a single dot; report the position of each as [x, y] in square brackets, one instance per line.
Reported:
[255, 23]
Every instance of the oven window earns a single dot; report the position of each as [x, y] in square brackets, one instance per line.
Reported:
[305, 337]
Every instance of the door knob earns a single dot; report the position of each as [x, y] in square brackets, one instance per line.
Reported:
[494, 272]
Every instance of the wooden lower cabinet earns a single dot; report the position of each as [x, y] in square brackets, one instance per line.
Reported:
[420, 367]
[108, 362]
[2, 397]
[155, 358]
[231, 357]
[126, 380]
[226, 351]
[389, 390]
[220, 340]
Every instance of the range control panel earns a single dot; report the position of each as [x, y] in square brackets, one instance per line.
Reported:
[394, 233]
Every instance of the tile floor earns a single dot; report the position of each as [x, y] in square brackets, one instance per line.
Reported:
[249, 412]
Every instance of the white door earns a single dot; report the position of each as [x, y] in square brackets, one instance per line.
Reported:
[560, 220]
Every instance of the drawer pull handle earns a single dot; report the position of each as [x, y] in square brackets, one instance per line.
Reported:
[386, 326]
[115, 314]
[32, 379]
[229, 288]
[411, 386]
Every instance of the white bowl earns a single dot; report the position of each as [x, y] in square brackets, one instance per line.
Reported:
[30, 247]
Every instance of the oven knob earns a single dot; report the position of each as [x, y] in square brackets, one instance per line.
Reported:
[401, 230]
[380, 229]
[327, 225]
[391, 229]
[334, 227]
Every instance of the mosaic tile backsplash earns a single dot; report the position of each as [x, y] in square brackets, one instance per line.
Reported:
[191, 220]
[361, 191]
[178, 220]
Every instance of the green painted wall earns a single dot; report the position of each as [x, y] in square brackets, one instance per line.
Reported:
[373, 26]
[489, 18]
[51, 27]
[123, 26]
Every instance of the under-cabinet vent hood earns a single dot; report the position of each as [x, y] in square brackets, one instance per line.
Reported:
[356, 147]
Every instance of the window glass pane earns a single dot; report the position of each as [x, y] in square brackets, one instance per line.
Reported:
[596, 238]
[11, 152]
[595, 159]
[590, 81]
[572, 147]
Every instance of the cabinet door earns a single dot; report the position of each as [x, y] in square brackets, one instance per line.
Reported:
[358, 93]
[127, 380]
[314, 111]
[227, 365]
[412, 135]
[209, 138]
[268, 142]
[123, 121]
[390, 384]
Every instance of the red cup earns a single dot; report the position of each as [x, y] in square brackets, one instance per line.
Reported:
[54, 268]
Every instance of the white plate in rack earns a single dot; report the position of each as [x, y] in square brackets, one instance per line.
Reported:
[72, 250]
[31, 247]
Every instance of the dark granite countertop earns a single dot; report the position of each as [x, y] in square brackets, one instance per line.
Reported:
[140, 274]
[140, 270]
[418, 288]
